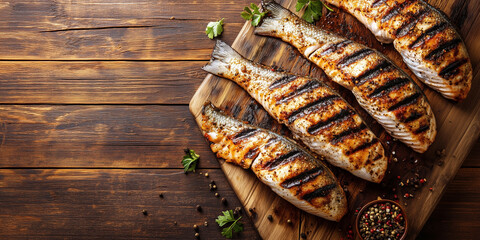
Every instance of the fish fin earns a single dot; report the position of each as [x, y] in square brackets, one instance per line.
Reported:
[221, 57]
[269, 24]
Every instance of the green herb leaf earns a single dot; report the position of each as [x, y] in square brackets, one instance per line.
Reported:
[190, 160]
[226, 218]
[254, 14]
[214, 29]
[313, 9]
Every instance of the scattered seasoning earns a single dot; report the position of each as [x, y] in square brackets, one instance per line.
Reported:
[237, 211]
[303, 235]
[224, 201]
[270, 218]
[172, 18]
[217, 195]
[195, 228]
[199, 208]
[399, 177]
[174, 222]
[197, 235]
[289, 221]
[206, 175]
[161, 195]
[431, 189]
[382, 221]
[145, 212]
[205, 224]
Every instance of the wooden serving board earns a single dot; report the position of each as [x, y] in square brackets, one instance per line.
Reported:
[458, 128]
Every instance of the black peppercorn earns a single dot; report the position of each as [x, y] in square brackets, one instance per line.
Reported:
[270, 218]
[199, 208]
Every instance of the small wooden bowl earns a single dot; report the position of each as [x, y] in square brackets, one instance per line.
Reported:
[366, 206]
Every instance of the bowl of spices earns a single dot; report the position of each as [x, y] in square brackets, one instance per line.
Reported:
[381, 219]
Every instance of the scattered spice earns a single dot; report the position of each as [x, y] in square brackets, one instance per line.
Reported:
[270, 218]
[161, 195]
[172, 18]
[195, 228]
[206, 175]
[224, 201]
[289, 221]
[237, 211]
[303, 235]
[199, 208]
[217, 195]
[145, 212]
[205, 224]
[382, 221]
[197, 235]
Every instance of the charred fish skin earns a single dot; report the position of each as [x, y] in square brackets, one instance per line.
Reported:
[386, 92]
[289, 170]
[315, 114]
[428, 43]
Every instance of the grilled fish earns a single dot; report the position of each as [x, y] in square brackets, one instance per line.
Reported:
[288, 169]
[386, 92]
[316, 114]
[427, 41]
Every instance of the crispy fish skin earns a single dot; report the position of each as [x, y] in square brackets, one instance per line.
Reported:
[386, 92]
[427, 41]
[316, 114]
[289, 170]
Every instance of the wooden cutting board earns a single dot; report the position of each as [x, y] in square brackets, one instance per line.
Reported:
[458, 128]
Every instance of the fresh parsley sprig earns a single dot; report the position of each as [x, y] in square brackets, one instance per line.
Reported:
[214, 29]
[190, 160]
[254, 14]
[313, 9]
[226, 218]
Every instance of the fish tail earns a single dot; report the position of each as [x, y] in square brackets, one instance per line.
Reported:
[270, 22]
[222, 55]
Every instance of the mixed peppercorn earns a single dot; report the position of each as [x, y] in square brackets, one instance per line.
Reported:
[383, 220]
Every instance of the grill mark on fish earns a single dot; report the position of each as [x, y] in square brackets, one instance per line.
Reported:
[347, 60]
[395, 10]
[409, 24]
[282, 81]
[271, 141]
[388, 87]
[341, 116]
[307, 87]
[246, 133]
[422, 129]
[282, 160]
[452, 68]
[413, 116]
[412, 99]
[443, 48]
[252, 153]
[373, 72]
[362, 147]
[343, 135]
[302, 178]
[378, 3]
[428, 33]
[336, 46]
[319, 192]
[324, 101]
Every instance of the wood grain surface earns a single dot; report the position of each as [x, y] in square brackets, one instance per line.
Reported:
[94, 120]
[457, 125]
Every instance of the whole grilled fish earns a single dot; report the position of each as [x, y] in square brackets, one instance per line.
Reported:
[386, 92]
[316, 114]
[427, 41]
[288, 169]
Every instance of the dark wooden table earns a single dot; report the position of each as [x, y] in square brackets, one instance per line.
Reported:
[94, 120]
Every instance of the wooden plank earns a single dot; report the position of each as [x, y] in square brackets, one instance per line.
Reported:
[457, 124]
[99, 204]
[473, 160]
[118, 136]
[458, 213]
[105, 29]
[93, 82]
